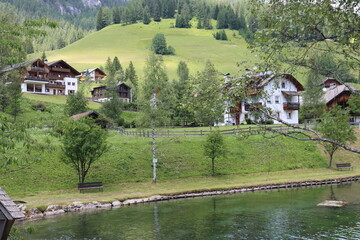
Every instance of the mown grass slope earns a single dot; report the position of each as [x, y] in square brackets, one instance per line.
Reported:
[132, 43]
[129, 160]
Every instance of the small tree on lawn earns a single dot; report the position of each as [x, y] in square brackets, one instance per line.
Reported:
[335, 126]
[75, 104]
[83, 143]
[214, 148]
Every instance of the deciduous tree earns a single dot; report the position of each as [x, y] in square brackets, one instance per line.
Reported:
[334, 125]
[214, 148]
[83, 143]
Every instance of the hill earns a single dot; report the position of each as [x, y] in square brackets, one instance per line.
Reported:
[132, 43]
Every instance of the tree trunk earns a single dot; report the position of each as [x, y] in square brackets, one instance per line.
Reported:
[213, 166]
[331, 158]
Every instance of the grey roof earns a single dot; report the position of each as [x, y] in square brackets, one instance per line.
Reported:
[19, 65]
[9, 205]
[334, 92]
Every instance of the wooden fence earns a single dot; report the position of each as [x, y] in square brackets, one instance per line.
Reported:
[234, 131]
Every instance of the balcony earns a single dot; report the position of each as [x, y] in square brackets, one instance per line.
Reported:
[291, 106]
[36, 69]
[56, 69]
[52, 85]
[37, 79]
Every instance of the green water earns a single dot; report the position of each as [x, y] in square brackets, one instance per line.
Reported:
[285, 214]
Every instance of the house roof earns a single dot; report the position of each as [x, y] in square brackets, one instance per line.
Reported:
[291, 93]
[50, 64]
[330, 78]
[9, 205]
[334, 92]
[118, 84]
[88, 114]
[19, 65]
[268, 76]
[94, 69]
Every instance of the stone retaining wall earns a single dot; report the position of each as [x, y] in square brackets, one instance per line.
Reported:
[78, 206]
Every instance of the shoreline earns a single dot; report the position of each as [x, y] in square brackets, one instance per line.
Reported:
[53, 210]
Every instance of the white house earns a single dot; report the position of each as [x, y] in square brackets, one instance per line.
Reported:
[282, 97]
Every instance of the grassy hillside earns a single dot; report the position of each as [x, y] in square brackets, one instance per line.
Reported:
[129, 160]
[132, 43]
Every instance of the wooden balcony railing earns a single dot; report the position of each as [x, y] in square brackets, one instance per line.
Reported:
[291, 106]
[36, 78]
[56, 69]
[36, 69]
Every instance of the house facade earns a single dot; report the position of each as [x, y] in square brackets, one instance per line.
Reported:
[54, 78]
[123, 91]
[95, 74]
[282, 98]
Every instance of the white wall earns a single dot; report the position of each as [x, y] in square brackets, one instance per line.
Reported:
[71, 84]
[274, 101]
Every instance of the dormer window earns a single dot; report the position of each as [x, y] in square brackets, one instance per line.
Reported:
[283, 85]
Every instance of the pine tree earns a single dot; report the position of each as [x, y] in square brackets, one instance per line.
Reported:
[43, 57]
[116, 66]
[222, 19]
[109, 68]
[156, 11]
[146, 15]
[131, 77]
[75, 104]
[116, 13]
[99, 20]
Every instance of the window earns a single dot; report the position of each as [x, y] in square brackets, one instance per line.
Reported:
[277, 99]
[73, 84]
[276, 84]
[38, 88]
[268, 100]
[289, 115]
[69, 83]
[283, 85]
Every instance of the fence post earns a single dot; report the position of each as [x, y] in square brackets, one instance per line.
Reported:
[168, 133]
[201, 133]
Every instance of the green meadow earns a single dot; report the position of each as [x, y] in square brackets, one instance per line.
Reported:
[132, 43]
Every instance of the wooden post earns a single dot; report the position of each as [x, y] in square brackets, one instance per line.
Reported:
[201, 133]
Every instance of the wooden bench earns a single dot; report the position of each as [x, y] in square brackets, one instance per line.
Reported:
[343, 166]
[90, 185]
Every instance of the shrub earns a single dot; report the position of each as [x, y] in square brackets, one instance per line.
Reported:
[39, 106]
[170, 50]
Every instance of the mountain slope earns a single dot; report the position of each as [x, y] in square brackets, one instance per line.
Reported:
[132, 43]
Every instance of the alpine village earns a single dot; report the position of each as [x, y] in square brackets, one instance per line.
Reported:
[179, 119]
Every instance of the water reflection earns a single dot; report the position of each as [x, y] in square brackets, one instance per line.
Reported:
[285, 214]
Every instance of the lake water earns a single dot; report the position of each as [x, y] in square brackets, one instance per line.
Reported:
[284, 214]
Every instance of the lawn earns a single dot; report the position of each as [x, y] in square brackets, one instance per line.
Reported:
[132, 43]
[129, 160]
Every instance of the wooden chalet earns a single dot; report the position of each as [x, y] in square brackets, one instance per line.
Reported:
[54, 78]
[95, 74]
[123, 92]
[338, 94]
